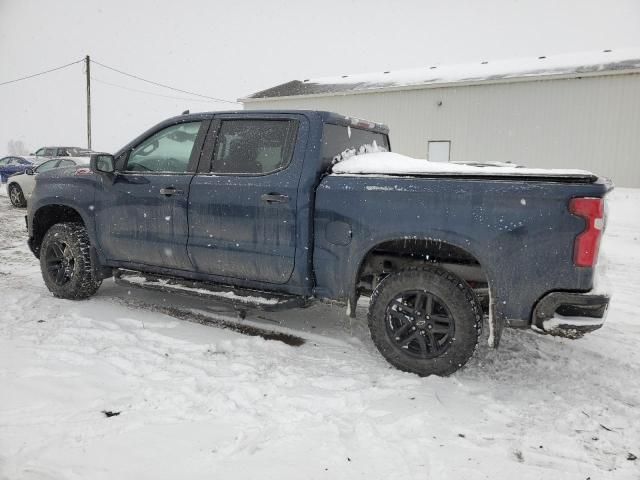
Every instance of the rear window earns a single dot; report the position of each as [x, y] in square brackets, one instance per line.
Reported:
[337, 138]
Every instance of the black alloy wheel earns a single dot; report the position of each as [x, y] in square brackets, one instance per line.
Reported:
[60, 263]
[425, 320]
[420, 323]
[66, 262]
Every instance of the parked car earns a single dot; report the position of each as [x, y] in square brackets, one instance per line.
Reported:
[13, 164]
[20, 185]
[51, 152]
[252, 202]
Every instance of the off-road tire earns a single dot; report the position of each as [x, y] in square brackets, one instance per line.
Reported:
[451, 291]
[80, 281]
[16, 196]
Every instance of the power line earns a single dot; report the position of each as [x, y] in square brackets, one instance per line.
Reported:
[41, 73]
[162, 84]
[149, 93]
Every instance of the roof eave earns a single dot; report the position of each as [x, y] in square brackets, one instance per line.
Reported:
[422, 86]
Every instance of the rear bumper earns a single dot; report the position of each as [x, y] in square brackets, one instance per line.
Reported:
[570, 313]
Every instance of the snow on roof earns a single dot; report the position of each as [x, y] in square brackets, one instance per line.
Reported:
[604, 62]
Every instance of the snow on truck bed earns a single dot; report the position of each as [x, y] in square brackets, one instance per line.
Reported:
[390, 163]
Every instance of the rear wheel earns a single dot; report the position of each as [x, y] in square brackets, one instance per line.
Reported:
[65, 262]
[16, 196]
[426, 321]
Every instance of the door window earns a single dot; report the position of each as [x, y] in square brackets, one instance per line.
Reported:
[253, 146]
[49, 152]
[169, 150]
[4, 162]
[66, 163]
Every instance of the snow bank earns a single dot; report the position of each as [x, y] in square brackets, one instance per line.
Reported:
[199, 402]
[390, 163]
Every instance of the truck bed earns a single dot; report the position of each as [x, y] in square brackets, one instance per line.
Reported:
[394, 164]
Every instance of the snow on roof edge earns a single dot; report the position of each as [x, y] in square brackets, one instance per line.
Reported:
[605, 62]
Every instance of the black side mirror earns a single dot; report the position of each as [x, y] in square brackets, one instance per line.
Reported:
[29, 171]
[102, 162]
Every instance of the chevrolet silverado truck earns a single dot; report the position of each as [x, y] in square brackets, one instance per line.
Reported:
[276, 209]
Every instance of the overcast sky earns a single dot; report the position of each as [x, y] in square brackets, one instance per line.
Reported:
[228, 49]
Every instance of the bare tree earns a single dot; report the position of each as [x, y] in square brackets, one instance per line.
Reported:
[17, 147]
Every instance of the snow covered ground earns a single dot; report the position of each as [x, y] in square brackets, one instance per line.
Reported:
[198, 401]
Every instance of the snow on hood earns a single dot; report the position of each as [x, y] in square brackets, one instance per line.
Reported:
[390, 163]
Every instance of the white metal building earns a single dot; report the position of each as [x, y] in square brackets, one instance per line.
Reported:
[569, 111]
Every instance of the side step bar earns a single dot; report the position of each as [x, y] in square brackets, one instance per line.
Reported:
[240, 298]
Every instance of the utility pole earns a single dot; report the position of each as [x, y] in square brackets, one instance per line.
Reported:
[87, 63]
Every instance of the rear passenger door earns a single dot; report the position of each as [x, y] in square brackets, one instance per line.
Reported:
[242, 201]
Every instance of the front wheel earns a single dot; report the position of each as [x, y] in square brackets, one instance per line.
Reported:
[16, 196]
[65, 262]
[426, 321]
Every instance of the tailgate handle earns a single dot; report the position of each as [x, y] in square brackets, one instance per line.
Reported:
[168, 191]
[274, 198]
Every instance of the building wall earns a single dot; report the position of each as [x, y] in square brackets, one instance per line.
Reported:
[591, 123]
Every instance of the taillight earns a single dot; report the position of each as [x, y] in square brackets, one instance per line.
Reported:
[585, 250]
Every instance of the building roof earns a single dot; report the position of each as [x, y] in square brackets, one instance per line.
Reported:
[605, 62]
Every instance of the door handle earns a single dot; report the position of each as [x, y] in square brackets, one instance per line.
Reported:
[274, 198]
[168, 191]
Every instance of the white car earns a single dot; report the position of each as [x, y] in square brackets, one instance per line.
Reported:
[20, 186]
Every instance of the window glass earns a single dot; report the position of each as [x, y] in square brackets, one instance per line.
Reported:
[62, 152]
[169, 150]
[11, 161]
[75, 152]
[253, 146]
[47, 166]
[66, 163]
[338, 138]
[4, 161]
[49, 152]
[40, 152]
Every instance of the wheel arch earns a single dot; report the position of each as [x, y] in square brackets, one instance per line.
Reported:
[419, 250]
[48, 215]
[389, 255]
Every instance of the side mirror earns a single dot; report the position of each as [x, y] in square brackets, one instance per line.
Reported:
[102, 162]
[29, 171]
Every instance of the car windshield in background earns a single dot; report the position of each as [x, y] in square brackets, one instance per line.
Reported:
[73, 152]
[338, 138]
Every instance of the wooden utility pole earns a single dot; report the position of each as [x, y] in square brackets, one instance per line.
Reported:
[87, 63]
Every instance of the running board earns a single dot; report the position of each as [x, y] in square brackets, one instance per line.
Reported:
[239, 298]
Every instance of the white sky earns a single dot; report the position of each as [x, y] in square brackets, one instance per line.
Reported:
[233, 48]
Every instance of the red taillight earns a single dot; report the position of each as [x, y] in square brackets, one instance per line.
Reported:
[585, 250]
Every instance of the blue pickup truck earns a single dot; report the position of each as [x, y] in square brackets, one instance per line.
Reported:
[244, 206]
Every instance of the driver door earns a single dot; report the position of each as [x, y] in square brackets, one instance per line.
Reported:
[141, 212]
